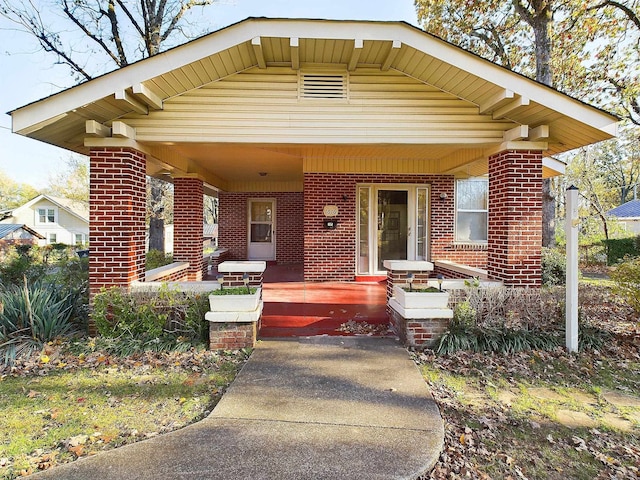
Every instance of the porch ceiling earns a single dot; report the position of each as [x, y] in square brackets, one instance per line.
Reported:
[226, 106]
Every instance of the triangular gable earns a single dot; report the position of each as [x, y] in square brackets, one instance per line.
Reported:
[67, 205]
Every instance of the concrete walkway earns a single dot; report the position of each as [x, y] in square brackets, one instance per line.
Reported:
[305, 408]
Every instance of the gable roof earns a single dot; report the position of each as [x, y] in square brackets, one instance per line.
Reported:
[77, 209]
[8, 228]
[494, 106]
[630, 209]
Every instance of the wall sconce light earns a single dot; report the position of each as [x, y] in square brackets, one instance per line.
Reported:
[443, 196]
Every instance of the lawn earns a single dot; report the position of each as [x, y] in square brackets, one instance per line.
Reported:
[544, 415]
[60, 406]
[530, 415]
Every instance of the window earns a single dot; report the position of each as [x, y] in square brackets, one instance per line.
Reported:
[53, 238]
[79, 240]
[46, 215]
[472, 210]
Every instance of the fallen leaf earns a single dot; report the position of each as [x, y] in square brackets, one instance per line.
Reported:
[77, 450]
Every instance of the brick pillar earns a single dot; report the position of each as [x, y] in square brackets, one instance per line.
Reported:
[515, 218]
[188, 218]
[117, 217]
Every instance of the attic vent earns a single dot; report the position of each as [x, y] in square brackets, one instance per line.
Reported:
[327, 86]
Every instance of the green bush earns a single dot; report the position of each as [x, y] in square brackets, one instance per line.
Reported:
[156, 259]
[554, 267]
[619, 248]
[166, 319]
[30, 316]
[626, 277]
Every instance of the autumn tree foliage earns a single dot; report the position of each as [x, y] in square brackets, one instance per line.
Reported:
[589, 49]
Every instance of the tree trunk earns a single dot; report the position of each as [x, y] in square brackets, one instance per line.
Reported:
[548, 214]
[156, 234]
[156, 216]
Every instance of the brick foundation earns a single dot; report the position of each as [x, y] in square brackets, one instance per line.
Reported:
[419, 333]
[232, 336]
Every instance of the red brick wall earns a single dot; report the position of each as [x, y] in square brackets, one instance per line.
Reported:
[188, 218]
[232, 336]
[232, 230]
[330, 254]
[117, 217]
[515, 218]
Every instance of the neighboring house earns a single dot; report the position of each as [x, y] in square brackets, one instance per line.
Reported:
[209, 236]
[14, 234]
[57, 220]
[336, 144]
[628, 215]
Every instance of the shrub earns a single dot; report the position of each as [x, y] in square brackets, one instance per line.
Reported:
[626, 277]
[30, 316]
[156, 259]
[619, 248]
[162, 320]
[554, 267]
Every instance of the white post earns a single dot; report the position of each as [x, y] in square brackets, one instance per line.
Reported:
[571, 230]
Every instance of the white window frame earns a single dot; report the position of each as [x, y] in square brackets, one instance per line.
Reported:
[53, 238]
[459, 210]
[47, 211]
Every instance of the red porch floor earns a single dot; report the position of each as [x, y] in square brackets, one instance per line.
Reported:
[294, 308]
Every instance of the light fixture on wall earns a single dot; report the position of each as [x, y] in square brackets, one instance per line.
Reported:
[443, 196]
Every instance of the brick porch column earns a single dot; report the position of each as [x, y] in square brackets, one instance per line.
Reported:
[515, 218]
[117, 217]
[188, 219]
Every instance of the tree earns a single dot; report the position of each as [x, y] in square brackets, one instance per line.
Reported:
[552, 38]
[97, 35]
[13, 194]
[606, 175]
[71, 182]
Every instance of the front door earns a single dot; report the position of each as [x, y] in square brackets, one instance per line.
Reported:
[262, 229]
[392, 225]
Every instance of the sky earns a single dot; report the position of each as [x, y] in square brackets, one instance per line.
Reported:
[27, 74]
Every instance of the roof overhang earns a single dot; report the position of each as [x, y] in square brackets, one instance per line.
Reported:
[524, 113]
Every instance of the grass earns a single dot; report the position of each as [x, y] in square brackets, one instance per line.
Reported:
[99, 402]
[506, 415]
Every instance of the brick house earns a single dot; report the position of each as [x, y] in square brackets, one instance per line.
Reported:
[336, 144]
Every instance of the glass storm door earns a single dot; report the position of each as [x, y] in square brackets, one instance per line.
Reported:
[392, 225]
[261, 229]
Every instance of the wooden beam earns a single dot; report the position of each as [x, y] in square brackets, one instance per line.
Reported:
[355, 54]
[539, 133]
[95, 129]
[510, 107]
[391, 56]
[515, 134]
[122, 130]
[256, 43]
[496, 101]
[133, 102]
[294, 44]
[151, 99]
